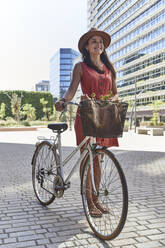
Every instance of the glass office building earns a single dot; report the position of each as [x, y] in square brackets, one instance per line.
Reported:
[61, 66]
[137, 50]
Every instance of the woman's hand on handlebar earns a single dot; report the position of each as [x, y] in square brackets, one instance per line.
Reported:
[59, 105]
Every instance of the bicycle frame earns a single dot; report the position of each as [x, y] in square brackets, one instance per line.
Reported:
[87, 150]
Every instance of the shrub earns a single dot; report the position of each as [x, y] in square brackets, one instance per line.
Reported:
[11, 122]
[2, 123]
[151, 123]
[25, 123]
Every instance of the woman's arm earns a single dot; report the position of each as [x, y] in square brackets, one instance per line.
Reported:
[76, 78]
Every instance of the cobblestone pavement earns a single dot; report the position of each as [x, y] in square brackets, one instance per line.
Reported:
[25, 223]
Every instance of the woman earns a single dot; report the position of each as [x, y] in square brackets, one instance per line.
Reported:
[96, 75]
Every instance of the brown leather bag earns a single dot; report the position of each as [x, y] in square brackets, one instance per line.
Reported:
[103, 119]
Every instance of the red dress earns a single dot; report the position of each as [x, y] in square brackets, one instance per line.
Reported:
[100, 84]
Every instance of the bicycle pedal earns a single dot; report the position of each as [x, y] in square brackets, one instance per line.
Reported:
[66, 185]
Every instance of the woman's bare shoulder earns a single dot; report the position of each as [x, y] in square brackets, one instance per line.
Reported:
[78, 68]
[78, 65]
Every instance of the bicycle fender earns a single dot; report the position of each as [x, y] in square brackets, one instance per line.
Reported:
[37, 146]
[34, 154]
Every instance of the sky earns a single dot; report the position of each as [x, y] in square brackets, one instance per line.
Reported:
[31, 31]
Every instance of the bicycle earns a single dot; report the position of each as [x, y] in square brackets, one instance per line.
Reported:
[49, 182]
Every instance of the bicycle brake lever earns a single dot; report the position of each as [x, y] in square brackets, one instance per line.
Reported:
[65, 109]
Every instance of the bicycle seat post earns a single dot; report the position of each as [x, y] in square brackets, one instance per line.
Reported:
[60, 150]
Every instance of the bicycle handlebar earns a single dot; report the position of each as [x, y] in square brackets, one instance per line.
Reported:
[70, 103]
[65, 105]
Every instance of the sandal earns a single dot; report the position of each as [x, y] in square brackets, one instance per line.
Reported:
[100, 207]
[94, 211]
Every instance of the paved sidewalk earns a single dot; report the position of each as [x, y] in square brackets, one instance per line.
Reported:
[25, 223]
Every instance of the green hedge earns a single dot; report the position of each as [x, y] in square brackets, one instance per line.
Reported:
[30, 97]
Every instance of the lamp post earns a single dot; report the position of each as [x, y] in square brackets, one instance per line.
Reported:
[135, 107]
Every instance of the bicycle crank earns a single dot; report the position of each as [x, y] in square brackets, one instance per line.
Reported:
[58, 186]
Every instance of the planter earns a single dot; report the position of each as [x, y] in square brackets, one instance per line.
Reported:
[157, 127]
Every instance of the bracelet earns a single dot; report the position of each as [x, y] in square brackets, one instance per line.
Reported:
[62, 100]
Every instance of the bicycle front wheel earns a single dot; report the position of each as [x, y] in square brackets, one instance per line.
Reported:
[44, 170]
[112, 195]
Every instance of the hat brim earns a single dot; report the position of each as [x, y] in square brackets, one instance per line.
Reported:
[106, 38]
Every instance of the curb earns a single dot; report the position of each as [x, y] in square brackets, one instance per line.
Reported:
[13, 129]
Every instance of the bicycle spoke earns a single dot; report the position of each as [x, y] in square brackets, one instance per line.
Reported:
[111, 187]
[44, 171]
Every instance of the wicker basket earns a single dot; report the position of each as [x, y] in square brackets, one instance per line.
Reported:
[103, 119]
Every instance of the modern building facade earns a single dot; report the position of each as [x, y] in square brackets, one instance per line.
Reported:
[61, 66]
[137, 50]
[43, 85]
[78, 94]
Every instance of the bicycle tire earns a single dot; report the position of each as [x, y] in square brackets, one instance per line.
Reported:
[114, 197]
[44, 170]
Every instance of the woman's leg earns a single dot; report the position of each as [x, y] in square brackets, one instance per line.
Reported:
[94, 211]
[97, 179]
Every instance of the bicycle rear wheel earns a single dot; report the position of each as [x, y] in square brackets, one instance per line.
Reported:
[44, 170]
[112, 195]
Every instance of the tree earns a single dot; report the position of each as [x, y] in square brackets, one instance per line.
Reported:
[2, 111]
[56, 114]
[29, 112]
[156, 105]
[130, 103]
[16, 106]
[155, 119]
[155, 109]
[46, 110]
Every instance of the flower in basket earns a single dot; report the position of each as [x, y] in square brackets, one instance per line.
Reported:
[93, 95]
[107, 97]
[102, 98]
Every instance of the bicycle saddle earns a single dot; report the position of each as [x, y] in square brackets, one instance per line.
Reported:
[58, 127]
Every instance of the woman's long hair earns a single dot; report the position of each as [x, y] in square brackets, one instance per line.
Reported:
[104, 58]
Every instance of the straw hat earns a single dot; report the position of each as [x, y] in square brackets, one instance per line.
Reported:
[92, 32]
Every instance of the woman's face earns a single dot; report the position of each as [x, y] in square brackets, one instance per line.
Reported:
[95, 45]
